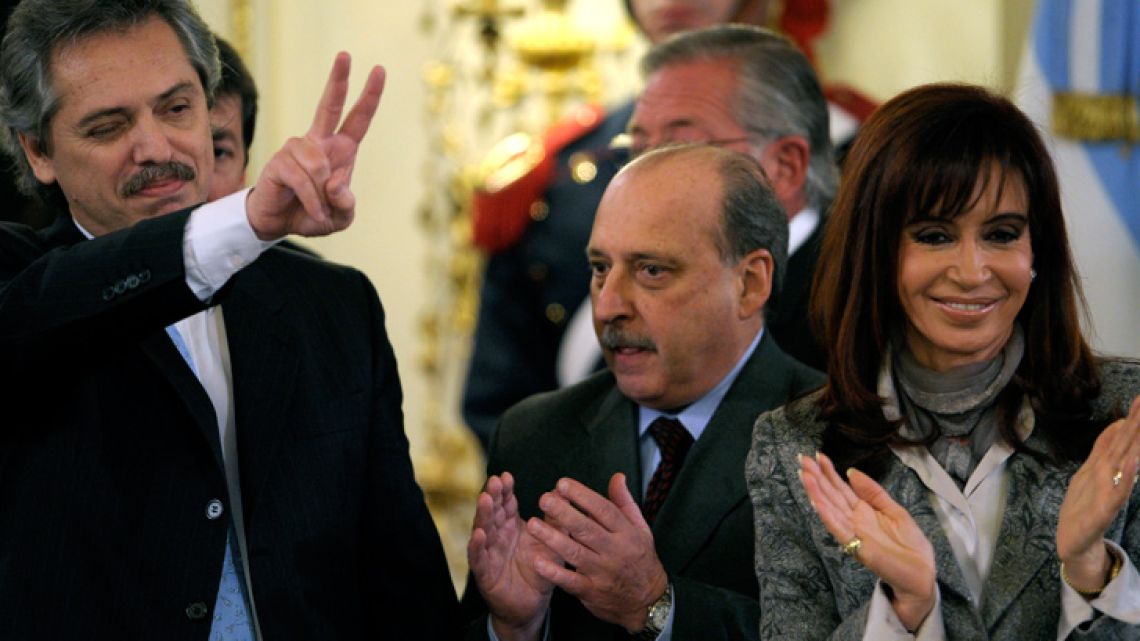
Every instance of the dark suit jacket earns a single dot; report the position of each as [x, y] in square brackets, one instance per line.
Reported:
[810, 590]
[109, 449]
[786, 315]
[703, 531]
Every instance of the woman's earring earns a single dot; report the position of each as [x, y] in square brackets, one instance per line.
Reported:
[1032, 274]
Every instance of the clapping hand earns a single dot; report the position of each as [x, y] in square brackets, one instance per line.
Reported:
[877, 532]
[306, 186]
[502, 555]
[613, 566]
[1096, 493]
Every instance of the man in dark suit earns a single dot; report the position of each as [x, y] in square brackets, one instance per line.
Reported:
[202, 434]
[632, 481]
[749, 89]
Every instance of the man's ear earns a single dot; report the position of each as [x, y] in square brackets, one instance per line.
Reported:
[786, 160]
[42, 165]
[756, 272]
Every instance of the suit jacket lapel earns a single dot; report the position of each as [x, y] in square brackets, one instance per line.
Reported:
[711, 482]
[263, 364]
[1027, 538]
[610, 446]
[170, 364]
[908, 490]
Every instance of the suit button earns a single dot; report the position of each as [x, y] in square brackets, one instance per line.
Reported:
[555, 313]
[196, 611]
[120, 287]
[144, 276]
[132, 281]
[214, 509]
[108, 293]
[539, 210]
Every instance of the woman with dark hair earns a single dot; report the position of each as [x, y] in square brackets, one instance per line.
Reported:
[989, 458]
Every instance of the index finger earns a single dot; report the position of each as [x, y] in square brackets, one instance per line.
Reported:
[875, 496]
[331, 105]
[360, 116]
[594, 505]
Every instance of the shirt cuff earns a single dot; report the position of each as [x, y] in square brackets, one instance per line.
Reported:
[543, 637]
[1120, 599]
[218, 243]
[883, 623]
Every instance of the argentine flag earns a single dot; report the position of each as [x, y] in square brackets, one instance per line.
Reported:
[1080, 81]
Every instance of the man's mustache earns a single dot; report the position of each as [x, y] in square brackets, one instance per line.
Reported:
[613, 338]
[151, 174]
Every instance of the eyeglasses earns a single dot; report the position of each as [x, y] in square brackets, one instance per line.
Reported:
[623, 144]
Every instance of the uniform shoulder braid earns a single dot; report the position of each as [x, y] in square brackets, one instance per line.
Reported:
[515, 173]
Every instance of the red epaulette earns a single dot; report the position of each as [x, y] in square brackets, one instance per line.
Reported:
[516, 172]
[851, 100]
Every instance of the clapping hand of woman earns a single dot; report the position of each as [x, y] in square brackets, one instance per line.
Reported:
[1096, 494]
[876, 531]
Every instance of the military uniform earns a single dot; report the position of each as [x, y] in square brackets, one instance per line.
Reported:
[535, 280]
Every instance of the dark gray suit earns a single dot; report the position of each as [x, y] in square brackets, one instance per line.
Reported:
[811, 590]
[703, 532]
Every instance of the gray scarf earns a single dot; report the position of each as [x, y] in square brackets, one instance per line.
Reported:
[960, 405]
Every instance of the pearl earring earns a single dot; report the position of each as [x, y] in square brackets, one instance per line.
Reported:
[1032, 274]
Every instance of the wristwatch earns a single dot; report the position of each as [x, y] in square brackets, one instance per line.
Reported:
[658, 616]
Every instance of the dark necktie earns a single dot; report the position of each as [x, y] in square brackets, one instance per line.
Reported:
[673, 440]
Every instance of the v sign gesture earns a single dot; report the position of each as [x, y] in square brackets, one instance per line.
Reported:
[306, 187]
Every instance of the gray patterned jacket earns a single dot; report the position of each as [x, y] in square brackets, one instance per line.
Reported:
[810, 590]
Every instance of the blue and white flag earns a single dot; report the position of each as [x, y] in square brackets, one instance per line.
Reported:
[1080, 81]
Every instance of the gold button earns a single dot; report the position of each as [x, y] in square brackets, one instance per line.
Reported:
[537, 272]
[539, 210]
[582, 167]
[555, 313]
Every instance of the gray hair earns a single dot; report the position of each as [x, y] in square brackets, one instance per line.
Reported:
[752, 217]
[38, 28]
[778, 93]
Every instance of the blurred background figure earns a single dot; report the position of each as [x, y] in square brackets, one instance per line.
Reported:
[232, 119]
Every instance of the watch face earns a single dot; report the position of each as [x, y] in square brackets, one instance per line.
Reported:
[659, 611]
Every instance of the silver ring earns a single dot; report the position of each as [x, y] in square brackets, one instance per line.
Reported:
[1116, 478]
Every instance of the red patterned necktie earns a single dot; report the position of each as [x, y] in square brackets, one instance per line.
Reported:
[673, 440]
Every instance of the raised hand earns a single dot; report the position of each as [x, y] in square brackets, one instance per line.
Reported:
[890, 543]
[502, 554]
[306, 187]
[1096, 494]
[614, 570]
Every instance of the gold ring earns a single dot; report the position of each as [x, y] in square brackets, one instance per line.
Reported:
[1116, 478]
[851, 548]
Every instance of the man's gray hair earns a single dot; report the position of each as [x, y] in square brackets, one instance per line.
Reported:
[36, 31]
[752, 217]
[778, 93]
